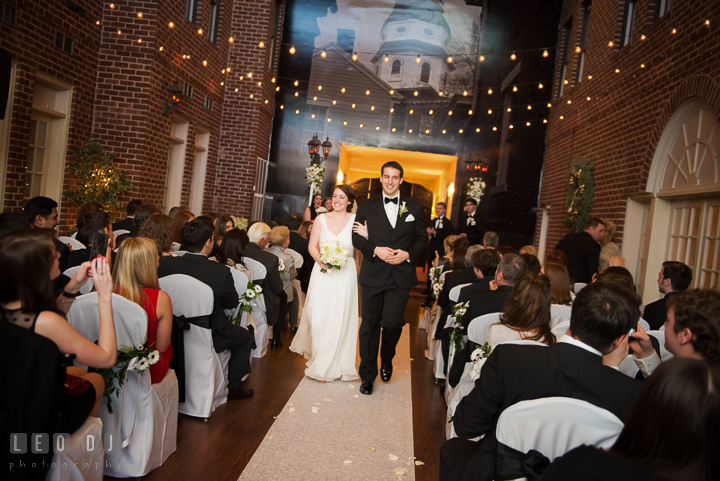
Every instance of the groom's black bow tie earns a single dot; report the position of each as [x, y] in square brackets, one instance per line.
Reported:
[394, 200]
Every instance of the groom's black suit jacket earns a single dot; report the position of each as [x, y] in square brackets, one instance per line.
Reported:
[515, 373]
[410, 236]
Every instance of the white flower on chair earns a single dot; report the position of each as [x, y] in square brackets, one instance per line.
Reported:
[154, 357]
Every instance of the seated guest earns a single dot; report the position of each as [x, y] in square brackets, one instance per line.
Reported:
[232, 251]
[583, 250]
[41, 213]
[457, 261]
[608, 248]
[528, 250]
[671, 433]
[484, 301]
[559, 282]
[197, 238]
[526, 314]
[173, 211]
[557, 257]
[440, 261]
[119, 239]
[181, 218]
[94, 222]
[532, 262]
[467, 275]
[502, 250]
[84, 209]
[306, 229]
[602, 316]
[223, 225]
[279, 241]
[128, 223]
[460, 243]
[159, 228]
[143, 213]
[29, 263]
[300, 245]
[692, 330]
[12, 222]
[674, 277]
[135, 275]
[491, 240]
[273, 292]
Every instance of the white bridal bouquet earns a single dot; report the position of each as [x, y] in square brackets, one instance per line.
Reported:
[320, 210]
[334, 255]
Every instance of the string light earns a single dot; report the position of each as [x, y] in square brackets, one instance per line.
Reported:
[367, 92]
[515, 89]
[231, 39]
[272, 80]
[440, 93]
[230, 70]
[549, 105]
[674, 31]
[444, 131]
[509, 109]
[139, 14]
[315, 99]
[97, 22]
[577, 48]
[527, 123]
[392, 92]
[297, 112]
[460, 131]
[161, 48]
[222, 83]
[353, 105]
[415, 93]
[112, 5]
[334, 102]
[566, 81]
[377, 127]
[494, 129]
[282, 107]
[386, 59]
[529, 107]
[707, 22]
[361, 126]
[345, 122]
[354, 57]
[296, 94]
[643, 36]
[617, 70]
[588, 98]
[412, 111]
[642, 65]
[489, 111]
[295, 83]
[139, 40]
[393, 129]
[469, 112]
[449, 112]
[477, 130]
[292, 49]
[251, 96]
[546, 53]
[204, 63]
[237, 90]
[323, 54]
[261, 45]
[511, 126]
[199, 31]
[450, 59]
[465, 92]
[266, 101]
[417, 60]
[489, 91]
[342, 90]
[119, 32]
[544, 121]
[562, 117]
[241, 77]
[513, 56]
[410, 131]
[312, 116]
[392, 110]
[372, 107]
[319, 87]
[277, 89]
[569, 101]
[482, 58]
[540, 86]
[589, 77]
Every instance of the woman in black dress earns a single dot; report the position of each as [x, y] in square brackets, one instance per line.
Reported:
[311, 211]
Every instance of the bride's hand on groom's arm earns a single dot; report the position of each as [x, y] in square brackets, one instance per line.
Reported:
[361, 229]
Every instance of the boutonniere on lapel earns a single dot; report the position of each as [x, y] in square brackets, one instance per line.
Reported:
[472, 220]
[402, 210]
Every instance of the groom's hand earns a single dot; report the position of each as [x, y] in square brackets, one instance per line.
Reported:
[399, 257]
[384, 253]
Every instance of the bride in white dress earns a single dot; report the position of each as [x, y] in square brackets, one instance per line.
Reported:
[328, 330]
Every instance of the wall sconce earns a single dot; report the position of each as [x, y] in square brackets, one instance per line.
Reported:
[451, 189]
[340, 176]
[175, 92]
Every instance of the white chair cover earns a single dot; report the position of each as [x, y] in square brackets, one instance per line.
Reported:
[75, 244]
[558, 314]
[644, 324]
[73, 235]
[555, 425]
[180, 253]
[145, 415]
[478, 328]
[205, 379]
[454, 293]
[425, 319]
[259, 273]
[74, 464]
[665, 355]
[261, 327]
[120, 232]
[296, 257]
[434, 315]
[628, 367]
[561, 328]
[175, 246]
[258, 270]
[578, 287]
[85, 288]
[467, 383]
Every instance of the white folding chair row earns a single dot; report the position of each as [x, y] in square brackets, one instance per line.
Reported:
[75, 244]
[645, 325]
[561, 328]
[258, 313]
[665, 355]
[578, 286]
[74, 463]
[558, 314]
[467, 383]
[297, 257]
[144, 414]
[453, 296]
[85, 288]
[205, 377]
[120, 232]
[454, 293]
[555, 425]
[478, 328]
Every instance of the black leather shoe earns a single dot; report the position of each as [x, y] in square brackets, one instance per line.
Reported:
[386, 372]
[366, 388]
[240, 393]
[276, 343]
[293, 330]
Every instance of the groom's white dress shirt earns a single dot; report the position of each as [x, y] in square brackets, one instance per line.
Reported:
[391, 208]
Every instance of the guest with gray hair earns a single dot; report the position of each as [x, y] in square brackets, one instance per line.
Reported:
[491, 240]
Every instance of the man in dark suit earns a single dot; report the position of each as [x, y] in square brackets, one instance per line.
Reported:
[128, 223]
[471, 224]
[602, 316]
[197, 238]
[397, 236]
[582, 250]
[437, 231]
[674, 277]
[273, 293]
[484, 301]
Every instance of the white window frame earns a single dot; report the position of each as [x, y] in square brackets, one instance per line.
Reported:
[177, 145]
[197, 184]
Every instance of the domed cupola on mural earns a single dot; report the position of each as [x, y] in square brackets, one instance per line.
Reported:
[414, 28]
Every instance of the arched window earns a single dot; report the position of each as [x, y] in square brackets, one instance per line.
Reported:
[425, 73]
[395, 71]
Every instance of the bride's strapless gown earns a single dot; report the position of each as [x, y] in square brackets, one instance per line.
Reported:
[328, 330]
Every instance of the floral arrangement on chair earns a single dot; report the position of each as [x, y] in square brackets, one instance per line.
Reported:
[128, 359]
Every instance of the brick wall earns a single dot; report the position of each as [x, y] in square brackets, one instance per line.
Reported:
[120, 84]
[621, 124]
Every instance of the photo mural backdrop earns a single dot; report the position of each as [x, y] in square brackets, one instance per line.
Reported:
[382, 73]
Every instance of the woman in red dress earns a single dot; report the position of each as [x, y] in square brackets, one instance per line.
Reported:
[135, 275]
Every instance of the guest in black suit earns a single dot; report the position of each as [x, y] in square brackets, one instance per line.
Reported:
[491, 240]
[602, 316]
[657, 443]
[300, 245]
[582, 250]
[197, 239]
[397, 236]
[142, 213]
[273, 292]
[674, 277]
[128, 223]
[94, 222]
[437, 231]
[483, 301]
[471, 224]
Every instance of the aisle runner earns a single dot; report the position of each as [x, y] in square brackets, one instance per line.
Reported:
[348, 426]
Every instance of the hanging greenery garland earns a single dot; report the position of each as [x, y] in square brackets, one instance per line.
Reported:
[580, 194]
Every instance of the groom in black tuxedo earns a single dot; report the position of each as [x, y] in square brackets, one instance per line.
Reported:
[396, 237]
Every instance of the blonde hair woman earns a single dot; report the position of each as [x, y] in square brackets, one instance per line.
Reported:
[135, 275]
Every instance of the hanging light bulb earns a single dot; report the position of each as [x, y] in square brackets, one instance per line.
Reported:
[415, 93]
[353, 105]
[139, 14]
[444, 131]
[296, 94]
[377, 127]
[277, 89]
[482, 58]
[261, 45]
[410, 131]
[334, 102]
[392, 110]
[515, 89]
[509, 109]
[295, 83]
[540, 86]
[611, 43]
[119, 32]
[529, 107]
[292, 49]
[569, 101]
[297, 112]
[566, 81]
[465, 92]
[392, 92]
[643, 36]
[272, 80]
[477, 130]
[527, 123]
[450, 59]
[546, 53]
[171, 25]
[345, 122]
[361, 126]
[589, 77]
[642, 65]
[544, 121]
[354, 57]
[319, 87]
[417, 60]
[449, 112]
[231, 39]
[315, 99]
[562, 117]
[367, 92]
[431, 112]
[372, 107]
[412, 112]
[674, 31]
[161, 48]
[588, 98]
[97, 22]
[469, 112]
[282, 107]
[617, 70]
[494, 129]
[513, 56]
[249, 75]
[386, 59]
[323, 54]
[204, 63]
[139, 40]
[549, 105]
[489, 91]
[577, 48]
[199, 31]
[489, 111]
[441, 93]
[393, 129]
[342, 90]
